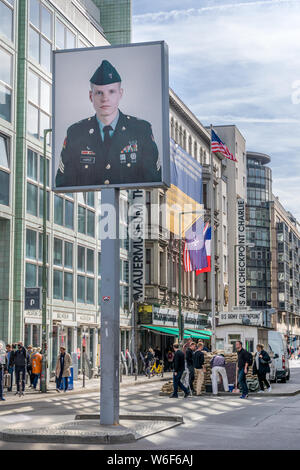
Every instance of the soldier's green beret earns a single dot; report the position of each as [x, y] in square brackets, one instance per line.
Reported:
[105, 74]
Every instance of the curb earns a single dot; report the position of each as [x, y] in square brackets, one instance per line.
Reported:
[103, 436]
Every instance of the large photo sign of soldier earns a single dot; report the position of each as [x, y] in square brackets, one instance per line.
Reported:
[111, 118]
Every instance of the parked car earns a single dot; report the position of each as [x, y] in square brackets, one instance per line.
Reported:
[273, 370]
[278, 346]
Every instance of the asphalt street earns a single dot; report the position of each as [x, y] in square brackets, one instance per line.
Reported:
[225, 423]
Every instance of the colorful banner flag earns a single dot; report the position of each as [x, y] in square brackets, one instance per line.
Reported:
[194, 253]
[207, 241]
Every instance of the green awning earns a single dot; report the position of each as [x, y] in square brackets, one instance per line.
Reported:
[201, 332]
[175, 332]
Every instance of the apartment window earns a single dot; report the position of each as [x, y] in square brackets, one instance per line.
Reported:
[68, 256]
[34, 250]
[86, 221]
[5, 84]
[35, 188]
[148, 266]
[6, 19]
[39, 106]
[65, 39]
[4, 170]
[63, 212]
[62, 278]
[40, 34]
[85, 281]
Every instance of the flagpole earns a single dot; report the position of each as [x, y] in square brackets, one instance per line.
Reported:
[212, 274]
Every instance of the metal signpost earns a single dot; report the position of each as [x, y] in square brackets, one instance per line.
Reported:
[110, 316]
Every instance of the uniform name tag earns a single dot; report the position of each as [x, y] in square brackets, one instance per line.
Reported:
[84, 159]
[123, 158]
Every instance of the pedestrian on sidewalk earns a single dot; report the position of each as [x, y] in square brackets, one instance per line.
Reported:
[149, 356]
[261, 367]
[218, 369]
[30, 350]
[198, 359]
[170, 359]
[178, 371]
[62, 370]
[190, 364]
[19, 361]
[3, 369]
[244, 361]
[36, 364]
[10, 369]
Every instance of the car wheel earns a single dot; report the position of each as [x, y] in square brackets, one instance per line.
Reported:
[288, 376]
[283, 380]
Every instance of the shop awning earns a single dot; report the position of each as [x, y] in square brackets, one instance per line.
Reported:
[201, 332]
[175, 332]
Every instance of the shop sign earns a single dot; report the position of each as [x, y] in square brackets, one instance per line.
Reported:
[62, 316]
[241, 254]
[250, 318]
[169, 317]
[85, 318]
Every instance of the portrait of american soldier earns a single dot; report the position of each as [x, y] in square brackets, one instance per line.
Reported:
[110, 147]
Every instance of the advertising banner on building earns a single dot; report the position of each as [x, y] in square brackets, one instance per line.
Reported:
[111, 117]
[136, 219]
[241, 255]
[186, 193]
[250, 318]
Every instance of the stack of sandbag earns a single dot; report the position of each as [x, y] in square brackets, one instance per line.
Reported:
[167, 388]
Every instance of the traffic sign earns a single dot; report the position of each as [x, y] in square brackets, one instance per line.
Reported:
[32, 298]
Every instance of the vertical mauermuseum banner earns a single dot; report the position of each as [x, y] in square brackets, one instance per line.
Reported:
[136, 232]
[111, 117]
[186, 192]
[241, 254]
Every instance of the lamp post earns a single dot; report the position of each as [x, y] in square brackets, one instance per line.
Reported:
[44, 274]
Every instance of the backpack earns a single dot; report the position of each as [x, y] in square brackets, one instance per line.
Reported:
[249, 358]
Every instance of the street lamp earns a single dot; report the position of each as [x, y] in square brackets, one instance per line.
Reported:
[44, 274]
[180, 316]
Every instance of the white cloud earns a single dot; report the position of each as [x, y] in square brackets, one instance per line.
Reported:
[236, 62]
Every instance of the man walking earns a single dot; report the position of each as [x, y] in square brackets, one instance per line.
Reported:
[261, 367]
[218, 368]
[190, 364]
[198, 359]
[62, 370]
[3, 368]
[19, 360]
[178, 371]
[36, 364]
[244, 361]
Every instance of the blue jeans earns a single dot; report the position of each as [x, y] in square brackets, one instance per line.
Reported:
[35, 380]
[242, 382]
[1, 382]
[65, 380]
[177, 383]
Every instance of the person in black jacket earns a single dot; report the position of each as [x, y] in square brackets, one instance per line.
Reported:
[19, 360]
[261, 367]
[190, 364]
[198, 359]
[3, 369]
[178, 371]
[243, 364]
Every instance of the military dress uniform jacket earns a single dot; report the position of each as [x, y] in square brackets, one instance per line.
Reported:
[132, 155]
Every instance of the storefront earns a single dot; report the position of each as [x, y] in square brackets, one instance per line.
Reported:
[249, 326]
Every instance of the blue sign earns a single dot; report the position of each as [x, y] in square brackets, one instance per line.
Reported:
[32, 298]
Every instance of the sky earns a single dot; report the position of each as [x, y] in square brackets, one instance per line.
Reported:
[237, 62]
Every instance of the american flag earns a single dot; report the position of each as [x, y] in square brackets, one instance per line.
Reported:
[194, 252]
[218, 146]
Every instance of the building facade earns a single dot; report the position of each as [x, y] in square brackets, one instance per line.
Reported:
[29, 31]
[285, 246]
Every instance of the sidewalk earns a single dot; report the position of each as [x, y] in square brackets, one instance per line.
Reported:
[91, 386]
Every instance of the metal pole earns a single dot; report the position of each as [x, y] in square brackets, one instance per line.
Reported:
[212, 219]
[134, 342]
[44, 274]
[83, 366]
[235, 274]
[110, 316]
[180, 318]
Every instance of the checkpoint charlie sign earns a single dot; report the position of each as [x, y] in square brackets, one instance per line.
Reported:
[241, 255]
